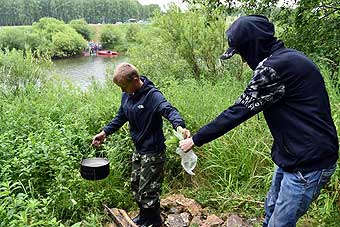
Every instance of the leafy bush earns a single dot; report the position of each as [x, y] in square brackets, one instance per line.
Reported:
[19, 39]
[112, 37]
[48, 26]
[19, 209]
[132, 32]
[308, 26]
[61, 39]
[13, 38]
[49, 36]
[67, 44]
[81, 26]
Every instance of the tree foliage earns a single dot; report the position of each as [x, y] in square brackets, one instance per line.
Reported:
[111, 37]
[315, 30]
[60, 40]
[311, 26]
[48, 36]
[81, 26]
[184, 43]
[13, 38]
[19, 12]
[132, 32]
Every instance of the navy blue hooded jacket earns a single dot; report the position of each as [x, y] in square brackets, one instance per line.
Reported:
[144, 110]
[290, 90]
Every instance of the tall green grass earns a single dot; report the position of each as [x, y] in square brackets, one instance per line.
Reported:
[46, 129]
[45, 132]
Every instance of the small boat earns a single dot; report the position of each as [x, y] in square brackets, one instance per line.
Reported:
[107, 53]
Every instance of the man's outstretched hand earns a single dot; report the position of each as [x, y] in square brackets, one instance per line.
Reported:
[98, 139]
[187, 144]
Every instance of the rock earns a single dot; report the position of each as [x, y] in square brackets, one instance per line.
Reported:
[193, 207]
[235, 221]
[187, 204]
[212, 221]
[185, 217]
[196, 221]
[177, 220]
[179, 211]
[168, 202]
[175, 210]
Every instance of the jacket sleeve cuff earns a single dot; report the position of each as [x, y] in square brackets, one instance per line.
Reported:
[196, 141]
[182, 124]
[107, 131]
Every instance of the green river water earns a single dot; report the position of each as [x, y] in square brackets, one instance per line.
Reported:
[82, 71]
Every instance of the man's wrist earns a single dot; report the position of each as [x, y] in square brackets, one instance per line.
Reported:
[195, 142]
[103, 133]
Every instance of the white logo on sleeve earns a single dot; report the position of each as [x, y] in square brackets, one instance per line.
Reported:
[140, 107]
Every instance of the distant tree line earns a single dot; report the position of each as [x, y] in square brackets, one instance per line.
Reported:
[25, 12]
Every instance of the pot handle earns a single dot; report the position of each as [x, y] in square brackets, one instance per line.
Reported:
[94, 151]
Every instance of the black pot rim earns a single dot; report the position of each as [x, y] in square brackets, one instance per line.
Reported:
[94, 171]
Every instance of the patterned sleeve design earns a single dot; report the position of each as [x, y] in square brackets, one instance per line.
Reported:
[265, 88]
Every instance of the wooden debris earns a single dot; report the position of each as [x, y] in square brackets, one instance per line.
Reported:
[120, 217]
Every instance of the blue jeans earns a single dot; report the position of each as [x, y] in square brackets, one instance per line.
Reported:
[291, 194]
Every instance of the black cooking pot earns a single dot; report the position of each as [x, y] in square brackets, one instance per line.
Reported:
[94, 168]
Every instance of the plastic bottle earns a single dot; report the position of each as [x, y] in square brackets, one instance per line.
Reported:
[188, 159]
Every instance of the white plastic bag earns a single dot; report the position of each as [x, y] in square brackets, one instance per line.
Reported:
[188, 159]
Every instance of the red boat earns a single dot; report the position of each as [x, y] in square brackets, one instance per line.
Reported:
[107, 53]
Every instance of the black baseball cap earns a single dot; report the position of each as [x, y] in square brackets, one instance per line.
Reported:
[229, 52]
[244, 33]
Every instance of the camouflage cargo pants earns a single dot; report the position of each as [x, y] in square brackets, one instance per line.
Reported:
[147, 178]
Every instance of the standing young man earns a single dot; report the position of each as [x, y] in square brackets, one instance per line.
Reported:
[289, 89]
[143, 106]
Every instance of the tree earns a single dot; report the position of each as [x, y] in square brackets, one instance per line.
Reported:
[19, 12]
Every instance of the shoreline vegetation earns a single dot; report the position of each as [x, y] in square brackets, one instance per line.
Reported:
[46, 126]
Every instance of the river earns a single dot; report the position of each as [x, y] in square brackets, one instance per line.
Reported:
[82, 71]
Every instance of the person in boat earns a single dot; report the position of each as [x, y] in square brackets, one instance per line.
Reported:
[143, 106]
[288, 87]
